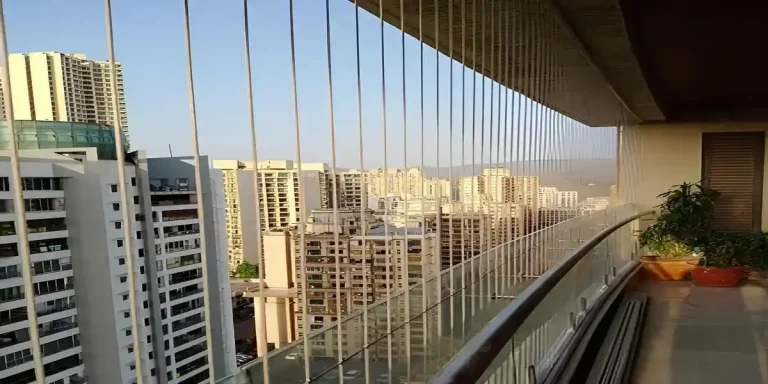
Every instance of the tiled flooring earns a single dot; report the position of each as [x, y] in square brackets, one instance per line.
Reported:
[704, 335]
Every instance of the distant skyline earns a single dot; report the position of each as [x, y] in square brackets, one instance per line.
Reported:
[149, 42]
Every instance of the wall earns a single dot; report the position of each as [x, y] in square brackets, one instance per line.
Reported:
[669, 154]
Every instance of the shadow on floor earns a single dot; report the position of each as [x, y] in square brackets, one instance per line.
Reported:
[704, 335]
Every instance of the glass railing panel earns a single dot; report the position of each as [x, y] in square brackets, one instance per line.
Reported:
[443, 313]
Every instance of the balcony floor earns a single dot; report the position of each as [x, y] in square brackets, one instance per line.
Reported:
[704, 335]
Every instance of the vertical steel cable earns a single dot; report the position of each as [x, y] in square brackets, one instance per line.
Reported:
[473, 179]
[405, 255]
[198, 193]
[500, 235]
[18, 203]
[125, 211]
[516, 116]
[463, 211]
[364, 199]
[261, 343]
[507, 145]
[539, 130]
[302, 205]
[450, 159]
[388, 254]
[334, 189]
[483, 221]
[496, 74]
[547, 138]
[439, 192]
[424, 290]
[526, 130]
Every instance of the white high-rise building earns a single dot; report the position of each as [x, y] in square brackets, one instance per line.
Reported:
[53, 86]
[567, 199]
[51, 224]
[412, 182]
[87, 325]
[279, 202]
[550, 197]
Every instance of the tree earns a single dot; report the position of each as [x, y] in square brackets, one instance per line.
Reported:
[247, 271]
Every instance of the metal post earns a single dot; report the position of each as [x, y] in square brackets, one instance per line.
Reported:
[18, 204]
[125, 206]
[199, 194]
[261, 335]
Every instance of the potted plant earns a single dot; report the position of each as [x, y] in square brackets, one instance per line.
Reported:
[685, 217]
[726, 258]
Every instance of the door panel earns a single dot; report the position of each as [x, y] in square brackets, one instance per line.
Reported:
[732, 163]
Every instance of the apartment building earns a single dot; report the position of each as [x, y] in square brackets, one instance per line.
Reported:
[461, 236]
[412, 182]
[86, 243]
[177, 273]
[399, 247]
[53, 86]
[351, 191]
[57, 305]
[279, 203]
[593, 204]
[525, 191]
[551, 197]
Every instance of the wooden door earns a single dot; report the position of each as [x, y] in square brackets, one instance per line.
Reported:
[732, 163]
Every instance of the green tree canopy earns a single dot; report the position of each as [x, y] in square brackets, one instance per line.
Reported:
[247, 271]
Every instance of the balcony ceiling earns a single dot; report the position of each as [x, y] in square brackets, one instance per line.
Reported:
[650, 60]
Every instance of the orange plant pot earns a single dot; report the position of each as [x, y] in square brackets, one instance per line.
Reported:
[718, 277]
[668, 269]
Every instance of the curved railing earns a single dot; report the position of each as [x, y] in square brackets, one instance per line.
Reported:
[522, 341]
[446, 312]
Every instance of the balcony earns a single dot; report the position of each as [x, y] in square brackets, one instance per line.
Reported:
[57, 326]
[60, 345]
[189, 352]
[176, 294]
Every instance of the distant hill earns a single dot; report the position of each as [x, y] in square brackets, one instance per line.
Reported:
[566, 175]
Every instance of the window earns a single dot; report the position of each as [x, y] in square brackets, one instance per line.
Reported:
[135, 199]
[130, 349]
[123, 279]
[5, 186]
[127, 332]
[146, 303]
[121, 261]
[152, 371]
[118, 224]
[133, 181]
[113, 188]
[146, 323]
[138, 235]
[144, 288]
[126, 315]
[119, 243]
[149, 338]
[115, 207]
[125, 297]
[151, 355]
[141, 252]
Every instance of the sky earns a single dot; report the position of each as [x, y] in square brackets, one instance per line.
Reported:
[149, 41]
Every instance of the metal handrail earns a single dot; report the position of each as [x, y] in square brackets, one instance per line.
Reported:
[478, 354]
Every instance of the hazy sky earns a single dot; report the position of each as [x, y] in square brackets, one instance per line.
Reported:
[149, 42]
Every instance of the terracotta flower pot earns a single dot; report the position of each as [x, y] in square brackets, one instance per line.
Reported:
[668, 269]
[718, 277]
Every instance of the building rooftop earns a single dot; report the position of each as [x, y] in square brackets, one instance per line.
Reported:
[35, 134]
[395, 231]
